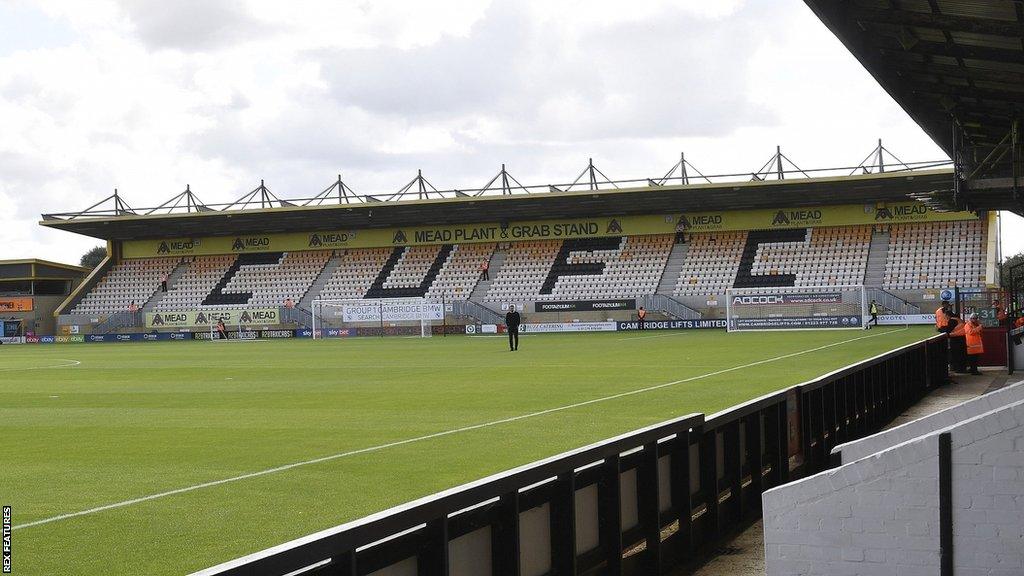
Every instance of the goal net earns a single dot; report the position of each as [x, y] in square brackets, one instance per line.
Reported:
[796, 308]
[376, 317]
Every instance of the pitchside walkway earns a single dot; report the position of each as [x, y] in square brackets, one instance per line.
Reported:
[744, 554]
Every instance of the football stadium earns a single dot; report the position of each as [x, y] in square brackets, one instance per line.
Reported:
[590, 377]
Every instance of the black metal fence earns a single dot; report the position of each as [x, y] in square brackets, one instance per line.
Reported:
[640, 503]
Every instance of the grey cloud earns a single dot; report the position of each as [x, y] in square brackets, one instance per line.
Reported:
[191, 25]
[657, 78]
[676, 76]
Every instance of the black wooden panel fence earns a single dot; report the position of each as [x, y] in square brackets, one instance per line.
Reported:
[695, 478]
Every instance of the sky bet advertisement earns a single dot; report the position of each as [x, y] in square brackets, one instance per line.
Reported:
[787, 218]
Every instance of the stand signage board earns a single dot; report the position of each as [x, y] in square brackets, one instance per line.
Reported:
[585, 306]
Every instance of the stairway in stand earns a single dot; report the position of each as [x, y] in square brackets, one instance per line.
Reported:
[493, 267]
[874, 272]
[673, 267]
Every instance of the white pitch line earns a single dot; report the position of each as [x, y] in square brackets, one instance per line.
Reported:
[72, 363]
[432, 436]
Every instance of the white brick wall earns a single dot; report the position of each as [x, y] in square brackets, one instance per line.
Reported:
[942, 419]
[879, 515]
[988, 494]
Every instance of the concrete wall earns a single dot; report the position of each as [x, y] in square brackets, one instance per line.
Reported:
[944, 418]
[880, 514]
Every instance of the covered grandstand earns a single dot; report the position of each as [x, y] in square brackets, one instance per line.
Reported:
[657, 498]
[674, 248]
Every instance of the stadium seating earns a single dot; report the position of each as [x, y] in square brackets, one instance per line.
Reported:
[594, 268]
[526, 267]
[415, 266]
[199, 279]
[711, 263]
[126, 282]
[936, 255]
[461, 271]
[825, 257]
[919, 256]
[269, 284]
[356, 272]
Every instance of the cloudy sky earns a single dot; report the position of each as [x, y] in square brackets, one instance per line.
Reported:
[148, 96]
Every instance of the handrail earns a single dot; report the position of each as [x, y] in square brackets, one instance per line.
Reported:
[121, 319]
[473, 309]
[670, 306]
[892, 302]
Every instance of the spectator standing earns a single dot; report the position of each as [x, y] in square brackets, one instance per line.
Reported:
[163, 283]
[289, 310]
[484, 270]
[641, 317]
[942, 317]
[975, 346]
[134, 311]
[512, 321]
[957, 344]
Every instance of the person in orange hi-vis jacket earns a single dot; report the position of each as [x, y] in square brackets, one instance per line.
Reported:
[975, 346]
[942, 317]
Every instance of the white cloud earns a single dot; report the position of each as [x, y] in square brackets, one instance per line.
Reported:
[148, 96]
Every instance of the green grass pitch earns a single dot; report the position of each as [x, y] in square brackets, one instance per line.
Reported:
[128, 421]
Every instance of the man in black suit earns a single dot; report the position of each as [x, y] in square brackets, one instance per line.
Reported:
[512, 321]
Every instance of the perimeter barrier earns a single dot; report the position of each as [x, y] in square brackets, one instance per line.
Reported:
[644, 502]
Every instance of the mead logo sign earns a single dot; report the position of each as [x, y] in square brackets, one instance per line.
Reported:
[204, 318]
[329, 239]
[167, 247]
[900, 212]
[796, 217]
[699, 222]
[242, 244]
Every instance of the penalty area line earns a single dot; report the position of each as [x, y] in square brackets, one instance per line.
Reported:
[434, 435]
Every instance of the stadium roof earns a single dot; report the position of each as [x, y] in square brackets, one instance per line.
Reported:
[36, 269]
[123, 223]
[957, 68]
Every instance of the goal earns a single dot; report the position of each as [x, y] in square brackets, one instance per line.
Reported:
[376, 317]
[796, 308]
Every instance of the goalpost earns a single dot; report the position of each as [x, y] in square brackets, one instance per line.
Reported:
[376, 317]
[796, 308]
